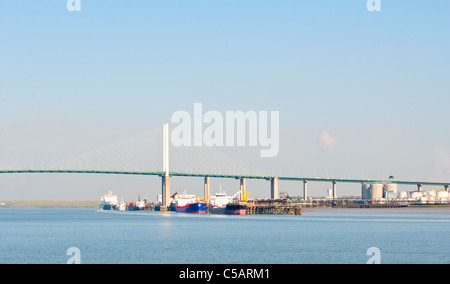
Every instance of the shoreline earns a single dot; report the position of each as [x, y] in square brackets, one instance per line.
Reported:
[95, 204]
[48, 204]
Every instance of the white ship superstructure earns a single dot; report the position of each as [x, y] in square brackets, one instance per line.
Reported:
[220, 200]
[108, 202]
[183, 199]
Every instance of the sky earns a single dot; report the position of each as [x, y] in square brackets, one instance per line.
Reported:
[359, 93]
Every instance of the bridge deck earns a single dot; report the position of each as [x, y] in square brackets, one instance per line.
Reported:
[446, 184]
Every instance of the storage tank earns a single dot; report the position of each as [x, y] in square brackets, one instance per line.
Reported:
[377, 191]
[403, 195]
[330, 193]
[424, 199]
[431, 193]
[365, 194]
[415, 195]
[390, 190]
[442, 195]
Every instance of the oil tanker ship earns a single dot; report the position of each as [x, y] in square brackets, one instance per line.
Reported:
[238, 208]
[188, 204]
[228, 205]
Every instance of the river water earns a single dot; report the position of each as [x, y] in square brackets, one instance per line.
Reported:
[319, 236]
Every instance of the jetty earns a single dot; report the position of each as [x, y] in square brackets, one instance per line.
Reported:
[273, 207]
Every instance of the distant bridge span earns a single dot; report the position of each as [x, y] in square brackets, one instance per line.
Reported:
[175, 174]
[166, 174]
[273, 179]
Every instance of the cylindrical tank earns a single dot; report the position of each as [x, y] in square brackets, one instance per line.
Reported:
[330, 192]
[366, 191]
[424, 199]
[431, 193]
[403, 195]
[377, 191]
[390, 190]
[442, 195]
[415, 195]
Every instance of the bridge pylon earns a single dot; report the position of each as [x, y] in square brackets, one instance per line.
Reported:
[166, 173]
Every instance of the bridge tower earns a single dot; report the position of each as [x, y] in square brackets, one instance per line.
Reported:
[165, 172]
[305, 190]
[274, 188]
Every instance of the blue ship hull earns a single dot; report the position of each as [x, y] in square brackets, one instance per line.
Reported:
[198, 208]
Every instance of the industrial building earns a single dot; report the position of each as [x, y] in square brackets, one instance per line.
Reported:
[388, 191]
[378, 190]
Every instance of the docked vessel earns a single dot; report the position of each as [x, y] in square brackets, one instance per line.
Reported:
[221, 199]
[218, 202]
[108, 202]
[229, 205]
[188, 204]
[138, 205]
[197, 207]
[122, 206]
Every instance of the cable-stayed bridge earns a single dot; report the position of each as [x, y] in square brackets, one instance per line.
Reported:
[144, 154]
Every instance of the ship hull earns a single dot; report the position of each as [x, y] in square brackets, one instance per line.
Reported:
[135, 209]
[236, 212]
[106, 207]
[195, 208]
[230, 209]
[217, 210]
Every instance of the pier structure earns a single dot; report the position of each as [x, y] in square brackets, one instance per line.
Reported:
[166, 173]
[334, 189]
[305, 190]
[273, 207]
[274, 188]
[206, 187]
[242, 183]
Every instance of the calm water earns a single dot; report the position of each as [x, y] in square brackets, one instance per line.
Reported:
[319, 236]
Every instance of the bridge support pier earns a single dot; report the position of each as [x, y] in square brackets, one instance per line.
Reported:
[274, 188]
[305, 190]
[419, 187]
[166, 176]
[447, 187]
[206, 190]
[165, 191]
[334, 190]
[242, 186]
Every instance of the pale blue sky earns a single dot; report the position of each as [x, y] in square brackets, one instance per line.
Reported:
[376, 82]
